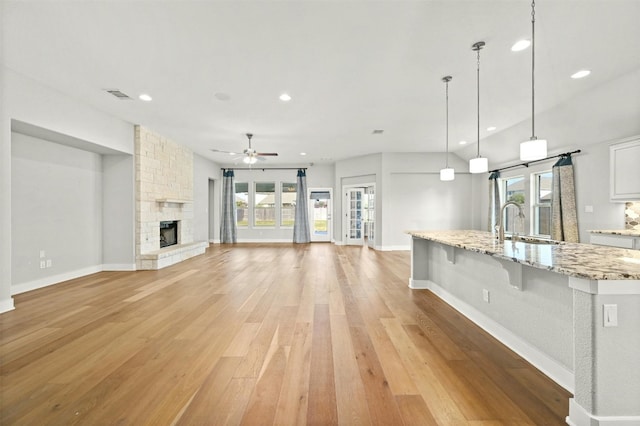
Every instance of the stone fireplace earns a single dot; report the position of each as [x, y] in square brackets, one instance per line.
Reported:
[164, 202]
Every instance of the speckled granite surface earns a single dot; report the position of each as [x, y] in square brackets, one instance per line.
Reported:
[578, 260]
[625, 232]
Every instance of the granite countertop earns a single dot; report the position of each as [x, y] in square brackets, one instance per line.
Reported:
[578, 260]
[625, 232]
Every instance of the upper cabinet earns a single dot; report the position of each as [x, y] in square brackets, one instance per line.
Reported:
[624, 169]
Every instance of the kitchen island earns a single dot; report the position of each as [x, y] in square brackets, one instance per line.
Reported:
[572, 310]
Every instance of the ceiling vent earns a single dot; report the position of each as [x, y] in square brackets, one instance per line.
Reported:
[118, 94]
[377, 131]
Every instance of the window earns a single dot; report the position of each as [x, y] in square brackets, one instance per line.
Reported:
[541, 205]
[288, 204]
[242, 204]
[513, 190]
[265, 205]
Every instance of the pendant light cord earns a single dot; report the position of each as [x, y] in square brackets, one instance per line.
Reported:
[533, 68]
[446, 80]
[477, 46]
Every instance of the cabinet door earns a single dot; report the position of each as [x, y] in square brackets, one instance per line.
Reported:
[624, 169]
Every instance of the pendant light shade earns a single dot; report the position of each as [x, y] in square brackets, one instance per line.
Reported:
[478, 164]
[447, 173]
[534, 148]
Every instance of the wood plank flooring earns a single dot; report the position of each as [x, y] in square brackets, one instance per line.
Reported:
[260, 334]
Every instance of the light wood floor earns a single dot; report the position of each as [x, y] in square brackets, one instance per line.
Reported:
[261, 334]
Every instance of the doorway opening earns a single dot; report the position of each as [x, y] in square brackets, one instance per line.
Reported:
[320, 208]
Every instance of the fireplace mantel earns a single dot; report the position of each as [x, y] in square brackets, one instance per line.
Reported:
[165, 201]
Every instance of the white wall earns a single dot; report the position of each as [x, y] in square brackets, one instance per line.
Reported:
[118, 222]
[29, 102]
[57, 208]
[203, 171]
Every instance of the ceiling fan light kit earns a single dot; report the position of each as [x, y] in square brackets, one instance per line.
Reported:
[250, 155]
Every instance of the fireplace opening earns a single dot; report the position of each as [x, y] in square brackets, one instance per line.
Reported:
[168, 233]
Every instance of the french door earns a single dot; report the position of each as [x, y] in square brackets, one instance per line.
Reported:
[353, 224]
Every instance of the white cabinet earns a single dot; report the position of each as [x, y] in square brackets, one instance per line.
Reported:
[624, 170]
[622, 241]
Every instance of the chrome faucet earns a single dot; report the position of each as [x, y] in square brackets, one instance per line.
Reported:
[500, 225]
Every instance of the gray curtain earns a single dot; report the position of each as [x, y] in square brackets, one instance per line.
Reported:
[301, 232]
[494, 201]
[228, 225]
[564, 214]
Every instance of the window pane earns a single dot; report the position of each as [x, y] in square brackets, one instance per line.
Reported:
[288, 207]
[242, 204]
[543, 220]
[544, 182]
[265, 205]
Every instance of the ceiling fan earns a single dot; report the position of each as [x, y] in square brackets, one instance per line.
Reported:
[250, 155]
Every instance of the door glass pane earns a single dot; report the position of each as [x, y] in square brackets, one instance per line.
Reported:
[320, 217]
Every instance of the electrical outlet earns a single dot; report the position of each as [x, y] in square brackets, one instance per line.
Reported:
[610, 315]
[48, 263]
[588, 209]
[485, 295]
[43, 264]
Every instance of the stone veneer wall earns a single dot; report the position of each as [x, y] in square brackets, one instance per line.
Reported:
[632, 216]
[164, 170]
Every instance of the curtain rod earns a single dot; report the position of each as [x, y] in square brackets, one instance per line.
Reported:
[263, 168]
[566, 154]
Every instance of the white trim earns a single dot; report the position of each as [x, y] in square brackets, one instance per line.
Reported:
[605, 286]
[339, 243]
[6, 305]
[418, 284]
[578, 416]
[119, 267]
[214, 241]
[54, 279]
[550, 367]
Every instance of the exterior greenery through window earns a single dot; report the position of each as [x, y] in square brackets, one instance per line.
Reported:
[288, 204]
[265, 205]
[513, 190]
[541, 206]
[242, 204]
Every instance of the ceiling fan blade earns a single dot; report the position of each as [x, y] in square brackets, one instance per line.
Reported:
[267, 154]
[222, 151]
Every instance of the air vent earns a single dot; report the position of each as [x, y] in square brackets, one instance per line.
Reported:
[118, 94]
[377, 131]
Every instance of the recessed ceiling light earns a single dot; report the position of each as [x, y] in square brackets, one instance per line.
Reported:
[221, 96]
[462, 142]
[520, 45]
[491, 128]
[232, 153]
[303, 153]
[581, 74]
[285, 97]
[145, 97]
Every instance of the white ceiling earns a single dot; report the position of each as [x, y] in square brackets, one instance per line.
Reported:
[350, 67]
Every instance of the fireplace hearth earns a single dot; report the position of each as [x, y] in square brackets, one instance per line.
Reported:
[168, 233]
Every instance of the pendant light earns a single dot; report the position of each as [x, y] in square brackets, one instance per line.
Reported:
[448, 173]
[478, 164]
[534, 148]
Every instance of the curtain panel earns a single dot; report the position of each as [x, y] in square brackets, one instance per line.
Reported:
[228, 224]
[301, 232]
[494, 201]
[564, 214]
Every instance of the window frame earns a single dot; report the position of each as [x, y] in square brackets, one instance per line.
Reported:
[536, 203]
[503, 196]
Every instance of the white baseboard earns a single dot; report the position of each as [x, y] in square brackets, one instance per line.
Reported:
[6, 305]
[265, 240]
[339, 243]
[418, 284]
[119, 267]
[216, 241]
[550, 367]
[54, 279]
[578, 416]
[393, 248]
